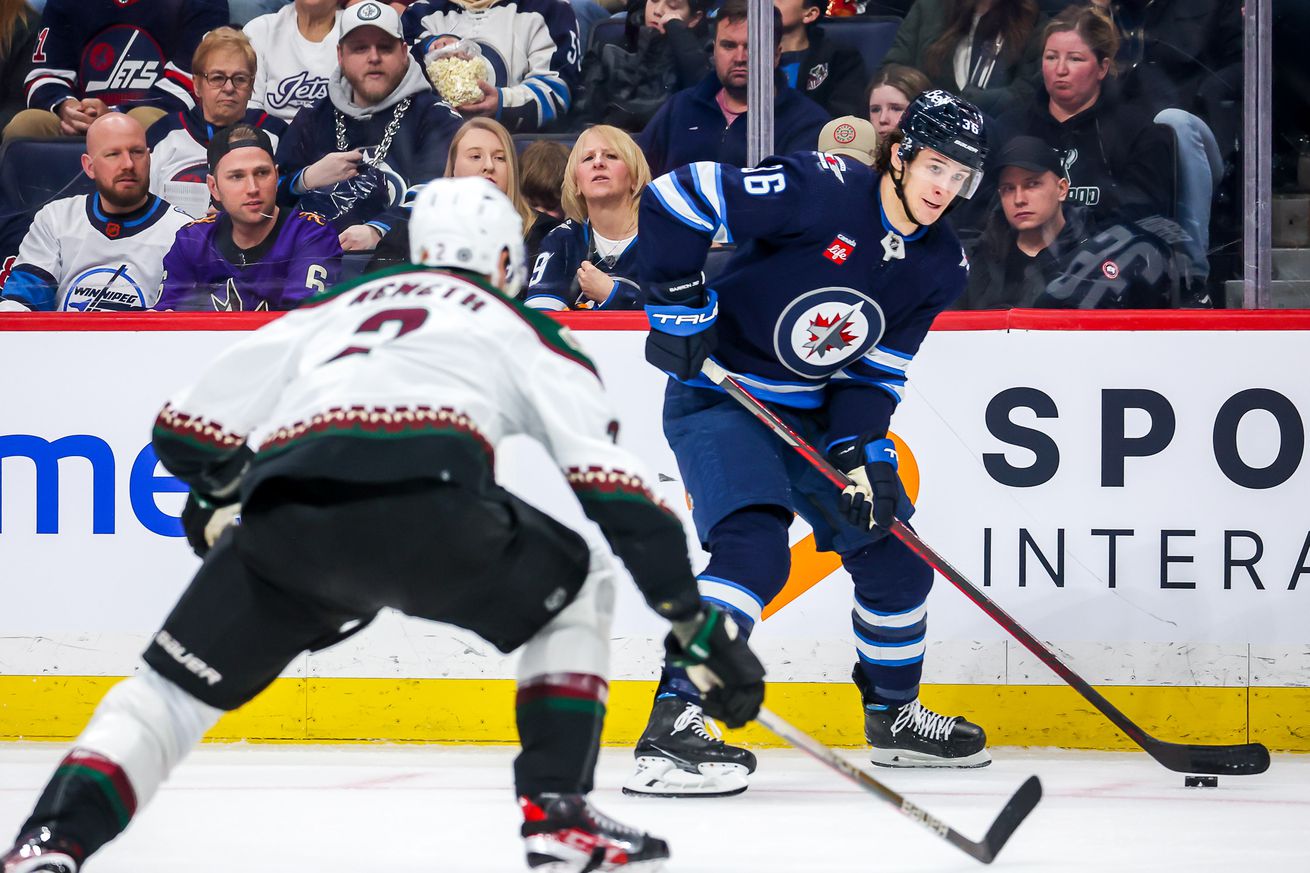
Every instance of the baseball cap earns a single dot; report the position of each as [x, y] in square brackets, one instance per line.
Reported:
[1029, 153]
[237, 136]
[371, 14]
[850, 136]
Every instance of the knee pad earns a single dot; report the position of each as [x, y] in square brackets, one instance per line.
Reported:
[146, 725]
[749, 562]
[577, 639]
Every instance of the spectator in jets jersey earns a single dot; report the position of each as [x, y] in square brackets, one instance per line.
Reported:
[532, 47]
[98, 252]
[99, 55]
[590, 261]
[224, 72]
[353, 154]
[252, 255]
[297, 50]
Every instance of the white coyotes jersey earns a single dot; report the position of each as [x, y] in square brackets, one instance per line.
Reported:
[292, 71]
[404, 349]
[95, 261]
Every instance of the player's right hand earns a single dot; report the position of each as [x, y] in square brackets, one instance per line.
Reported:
[682, 332]
[870, 501]
[203, 522]
[720, 663]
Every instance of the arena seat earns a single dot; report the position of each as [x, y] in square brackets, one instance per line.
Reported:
[870, 35]
[35, 171]
[606, 31]
[522, 140]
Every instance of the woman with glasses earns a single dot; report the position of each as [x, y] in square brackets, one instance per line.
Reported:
[224, 68]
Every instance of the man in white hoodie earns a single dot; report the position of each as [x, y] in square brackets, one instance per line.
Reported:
[352, 155]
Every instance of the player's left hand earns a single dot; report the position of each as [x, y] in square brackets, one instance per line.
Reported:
[720, 663]
[869, 503]
[203, 523]
[487, 106]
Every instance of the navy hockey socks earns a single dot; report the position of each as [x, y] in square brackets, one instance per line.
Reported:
[560, 716]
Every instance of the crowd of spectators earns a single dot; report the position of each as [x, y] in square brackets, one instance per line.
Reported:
[278, 141]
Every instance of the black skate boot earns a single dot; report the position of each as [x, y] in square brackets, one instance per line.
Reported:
[563, 833]
[678, 756]
[41, 852]
[912, 735]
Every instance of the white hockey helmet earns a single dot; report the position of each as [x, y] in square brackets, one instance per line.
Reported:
[466, 223]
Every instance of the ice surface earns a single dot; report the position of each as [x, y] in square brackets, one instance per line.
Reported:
[324, 809]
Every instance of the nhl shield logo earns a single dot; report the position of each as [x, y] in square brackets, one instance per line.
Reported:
[825, 330]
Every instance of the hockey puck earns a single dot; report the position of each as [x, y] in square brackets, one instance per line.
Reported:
[1200, 781]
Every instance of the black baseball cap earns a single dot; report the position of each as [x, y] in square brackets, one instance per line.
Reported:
[1029, 153]
[237, 136]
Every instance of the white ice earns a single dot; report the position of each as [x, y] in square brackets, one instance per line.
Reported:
[442, 808]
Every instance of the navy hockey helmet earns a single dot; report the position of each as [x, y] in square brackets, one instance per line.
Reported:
[949, 125]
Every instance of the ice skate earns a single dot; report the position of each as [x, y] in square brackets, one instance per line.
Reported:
[40, 852]
[563, 833]
[679, 756]
[911, 735]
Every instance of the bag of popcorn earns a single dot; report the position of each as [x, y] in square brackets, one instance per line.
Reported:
[454, 67]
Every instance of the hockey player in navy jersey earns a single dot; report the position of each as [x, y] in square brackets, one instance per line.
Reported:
[374, 486]
[254, 254]
[841, 271]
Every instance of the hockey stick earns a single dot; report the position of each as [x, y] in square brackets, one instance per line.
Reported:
[1241, 759]
[986, 850]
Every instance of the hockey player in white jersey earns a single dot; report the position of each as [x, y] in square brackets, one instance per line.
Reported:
[101, 252]
[374, 487]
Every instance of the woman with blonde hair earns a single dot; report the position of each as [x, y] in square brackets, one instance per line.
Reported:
[590, 261]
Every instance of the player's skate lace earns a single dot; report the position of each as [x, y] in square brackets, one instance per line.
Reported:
[692, 717]
[924, 721]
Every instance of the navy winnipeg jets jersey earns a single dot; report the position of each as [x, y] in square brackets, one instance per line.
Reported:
[824, 304]
[553, 284]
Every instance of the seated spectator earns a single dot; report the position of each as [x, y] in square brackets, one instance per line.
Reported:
[297, 51]
[984, 50]
[1117, 160]
[533, 49]
[378, 102]
[242, 12]
[100, 252]
[252, 255]
[1041, 251]
[223, 70]
[829, 74]
[19, 26]
[663, 52]
[590, 261]
[707, 122]
[850, 137]
[890, 92]
[103, 54]
[542, 182]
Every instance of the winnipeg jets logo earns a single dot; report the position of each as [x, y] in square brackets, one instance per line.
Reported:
[824, 330]
[128, 70]
[834, 164]
[831, 334]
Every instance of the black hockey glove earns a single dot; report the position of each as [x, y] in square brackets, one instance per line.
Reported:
[717, 659]
[871, 502]
[682, 332]
[204, 520]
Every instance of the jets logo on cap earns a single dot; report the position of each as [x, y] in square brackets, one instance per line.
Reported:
[369, 11]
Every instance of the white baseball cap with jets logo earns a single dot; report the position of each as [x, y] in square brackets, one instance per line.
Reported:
[371, 14]
[850, 137]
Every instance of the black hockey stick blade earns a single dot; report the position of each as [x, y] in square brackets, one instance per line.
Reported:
[1015, 811]
[1245, 759]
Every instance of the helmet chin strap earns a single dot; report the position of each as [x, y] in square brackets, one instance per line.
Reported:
[900, 193]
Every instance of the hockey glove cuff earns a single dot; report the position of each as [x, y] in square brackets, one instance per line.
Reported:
[870, 502]
[720, 663]
[204, 520]
[683, 334]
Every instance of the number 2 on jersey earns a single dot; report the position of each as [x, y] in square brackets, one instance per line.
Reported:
[407, 320]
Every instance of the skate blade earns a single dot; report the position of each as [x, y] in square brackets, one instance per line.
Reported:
[53, 861]
[539, 863]
[905, 759]
[660, 777]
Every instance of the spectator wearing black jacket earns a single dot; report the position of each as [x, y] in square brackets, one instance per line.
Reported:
[1117, 160]
[830, 75]
[707, 122]
[663, 52]
[984, 50]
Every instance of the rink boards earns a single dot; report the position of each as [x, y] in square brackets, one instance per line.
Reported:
[1131, 488]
